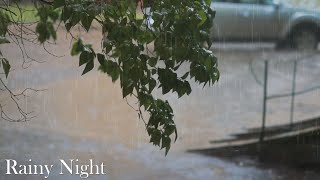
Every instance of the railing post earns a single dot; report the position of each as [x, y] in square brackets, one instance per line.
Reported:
[264, 110]
[293, 90]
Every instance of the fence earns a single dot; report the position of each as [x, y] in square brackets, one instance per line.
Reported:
[293, 93]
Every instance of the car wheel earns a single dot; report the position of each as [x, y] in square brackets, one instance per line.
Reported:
[281, 45]
[305, 39]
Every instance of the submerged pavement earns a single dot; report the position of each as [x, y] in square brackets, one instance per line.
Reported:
[85, 117]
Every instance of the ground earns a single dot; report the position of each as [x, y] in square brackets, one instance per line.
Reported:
[85, 116]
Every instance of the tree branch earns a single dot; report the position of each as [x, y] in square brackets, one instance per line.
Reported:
[46, 2]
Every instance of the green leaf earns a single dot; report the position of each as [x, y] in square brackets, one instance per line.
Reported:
[208, 2]
[6, 66]
[86, 21]
[77, 47]
[85, 57]
[152, 84]
[68, 26]
[66, 14]
[115, 74]
[169, 129]
[107, 46]
[101, 59]
[203, 16]
[146, 37]
[209, 42]
[43, 32]
[127, 90]
[4, 23]
[88, 67]
[124, 21]
[187, 87]
[52, 31]
[58, 3]
[153, 61]
[145, 100]
[53, 14]
[165, 89]
[166, 143]
[75, 18]
[156, 137]
[150, 130]
[176, 134]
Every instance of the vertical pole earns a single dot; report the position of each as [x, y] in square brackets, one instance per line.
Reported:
[293, 90]
[264, 110]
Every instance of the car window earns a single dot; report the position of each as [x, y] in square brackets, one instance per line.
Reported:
[239, 1]
[245, 1]
[231, 1]
[248, 1]
[269, 2]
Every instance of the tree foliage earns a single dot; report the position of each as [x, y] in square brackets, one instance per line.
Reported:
[139, 55]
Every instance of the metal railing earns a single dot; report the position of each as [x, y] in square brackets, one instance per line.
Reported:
[293, 94]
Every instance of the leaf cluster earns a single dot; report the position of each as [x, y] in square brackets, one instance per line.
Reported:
[142, 55]
[4, 23]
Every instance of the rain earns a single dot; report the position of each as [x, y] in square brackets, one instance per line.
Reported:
[219, 127]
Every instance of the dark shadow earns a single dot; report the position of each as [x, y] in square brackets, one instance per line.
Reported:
[296, 146]
[254, 133]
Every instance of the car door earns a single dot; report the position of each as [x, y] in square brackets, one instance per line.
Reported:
[225, 23]
[248, 20]
[256, 20]
[267, 21]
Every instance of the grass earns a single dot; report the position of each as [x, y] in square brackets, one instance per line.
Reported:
[27, 13]
[313, 4]
[23, 13]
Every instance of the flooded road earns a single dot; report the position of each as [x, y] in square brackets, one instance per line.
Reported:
[83, 117]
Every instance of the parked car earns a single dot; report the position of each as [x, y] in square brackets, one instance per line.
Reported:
[266, 20]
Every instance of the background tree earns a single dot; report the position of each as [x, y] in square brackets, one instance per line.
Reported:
[179, 35]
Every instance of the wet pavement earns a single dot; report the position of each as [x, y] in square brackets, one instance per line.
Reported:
[85, 116]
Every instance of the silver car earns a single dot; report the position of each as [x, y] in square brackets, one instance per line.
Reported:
[265, 20]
